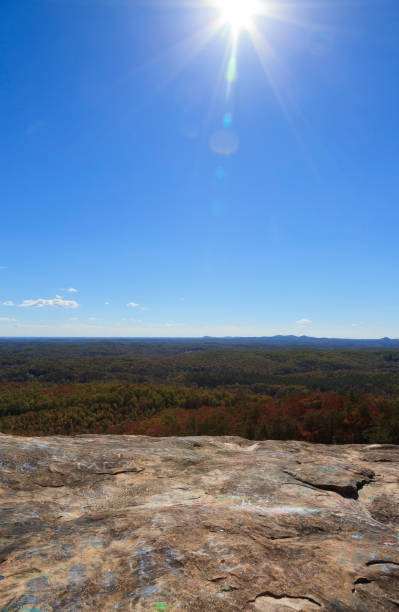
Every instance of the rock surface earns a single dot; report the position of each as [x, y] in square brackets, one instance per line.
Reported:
[207, 524]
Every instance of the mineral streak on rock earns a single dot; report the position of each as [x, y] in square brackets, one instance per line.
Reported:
[197, 524]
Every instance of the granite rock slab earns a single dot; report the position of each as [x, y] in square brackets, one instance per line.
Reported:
[197, 524]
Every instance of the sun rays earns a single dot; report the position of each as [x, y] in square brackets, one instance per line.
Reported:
[273, 29]
[255, 19]
[238, 14]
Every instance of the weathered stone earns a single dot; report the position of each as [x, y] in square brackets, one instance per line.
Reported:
[197, 524]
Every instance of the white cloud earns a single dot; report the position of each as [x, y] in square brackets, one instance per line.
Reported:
[73, 318]
[106, 303]
[92, 318]
[7, 319]
[72, 290]
[57, 301]
[8, 303]
[132, 305]
[304, 322]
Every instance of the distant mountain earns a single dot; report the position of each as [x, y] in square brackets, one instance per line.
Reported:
[308, 342]
[277, 342]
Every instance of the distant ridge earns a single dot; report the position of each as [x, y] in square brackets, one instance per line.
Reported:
[278, 341]
[291, 341]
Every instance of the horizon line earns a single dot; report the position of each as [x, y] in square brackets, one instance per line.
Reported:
[205, 337]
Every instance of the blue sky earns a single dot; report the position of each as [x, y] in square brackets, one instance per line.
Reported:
[177, 202]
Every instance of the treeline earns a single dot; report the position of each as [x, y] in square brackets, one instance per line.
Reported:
[163, 411]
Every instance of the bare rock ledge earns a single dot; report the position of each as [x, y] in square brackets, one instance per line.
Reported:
[215, 524]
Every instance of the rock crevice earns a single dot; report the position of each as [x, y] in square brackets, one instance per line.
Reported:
[268, 600]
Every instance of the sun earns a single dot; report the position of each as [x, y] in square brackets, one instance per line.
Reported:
[238, 14]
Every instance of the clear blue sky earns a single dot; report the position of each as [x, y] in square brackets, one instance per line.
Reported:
[134, 173]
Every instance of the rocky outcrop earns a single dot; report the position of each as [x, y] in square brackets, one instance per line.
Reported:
[197, 524]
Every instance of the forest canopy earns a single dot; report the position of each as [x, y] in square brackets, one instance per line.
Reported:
[183, 387]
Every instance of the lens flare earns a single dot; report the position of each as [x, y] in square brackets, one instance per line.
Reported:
[224, 142]
[231, 72]
[227, 120]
